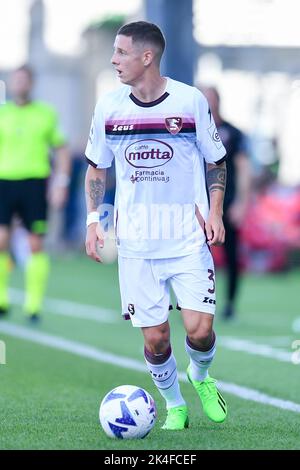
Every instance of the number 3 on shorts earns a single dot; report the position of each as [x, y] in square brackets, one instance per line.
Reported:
[211, 277]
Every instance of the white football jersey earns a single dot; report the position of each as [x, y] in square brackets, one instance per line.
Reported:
[158, 149]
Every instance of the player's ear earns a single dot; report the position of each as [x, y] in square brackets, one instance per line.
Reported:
[148, 57]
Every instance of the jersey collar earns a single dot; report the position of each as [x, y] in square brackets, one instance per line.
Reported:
[150, 104]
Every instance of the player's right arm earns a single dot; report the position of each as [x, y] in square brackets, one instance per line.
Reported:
[94, 194]
[214, 154]
[99, 157]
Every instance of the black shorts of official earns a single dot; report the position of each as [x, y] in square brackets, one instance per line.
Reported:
[26, 199]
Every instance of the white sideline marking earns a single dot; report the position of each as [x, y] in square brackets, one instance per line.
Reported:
[84, 350]
[283, 341]
[70, 309]
[235, 344]
[91, 312]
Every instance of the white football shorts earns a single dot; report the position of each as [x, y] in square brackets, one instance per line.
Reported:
[145, 286]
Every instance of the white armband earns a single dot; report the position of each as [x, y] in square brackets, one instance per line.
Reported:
[92, 218]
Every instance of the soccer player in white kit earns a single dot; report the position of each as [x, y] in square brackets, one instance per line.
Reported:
[163, 137]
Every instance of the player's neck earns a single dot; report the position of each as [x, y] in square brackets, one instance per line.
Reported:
[150, 89]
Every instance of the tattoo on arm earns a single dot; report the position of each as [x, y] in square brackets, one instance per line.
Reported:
[96, 192]
[216, 179]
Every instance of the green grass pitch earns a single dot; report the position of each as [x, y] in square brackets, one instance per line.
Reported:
[50, 397]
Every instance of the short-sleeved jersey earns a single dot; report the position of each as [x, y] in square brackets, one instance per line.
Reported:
[26, 134]
[156, 147]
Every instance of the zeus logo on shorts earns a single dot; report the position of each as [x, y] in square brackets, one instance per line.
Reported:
[131, 309]
[207, 300]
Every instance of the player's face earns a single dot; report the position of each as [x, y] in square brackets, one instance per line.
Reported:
[128, 60]
[20, 84]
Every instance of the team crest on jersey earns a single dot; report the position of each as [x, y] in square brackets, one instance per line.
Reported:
[173, 124]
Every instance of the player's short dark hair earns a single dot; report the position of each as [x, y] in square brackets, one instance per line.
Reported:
[145, 32]
[27, 69]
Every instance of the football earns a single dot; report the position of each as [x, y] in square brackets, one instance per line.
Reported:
[127, 412]
[109, 252]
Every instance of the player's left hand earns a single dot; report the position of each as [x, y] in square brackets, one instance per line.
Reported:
[215, 232]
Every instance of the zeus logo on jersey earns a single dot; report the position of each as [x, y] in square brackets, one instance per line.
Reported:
[148, 153]
[123, 127]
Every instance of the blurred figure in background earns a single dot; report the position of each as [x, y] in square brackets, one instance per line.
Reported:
[237, 194]
[28, 130]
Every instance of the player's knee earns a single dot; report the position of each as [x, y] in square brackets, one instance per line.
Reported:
[200, 336]
[157, 341]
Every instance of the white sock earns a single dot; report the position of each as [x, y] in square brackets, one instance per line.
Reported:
[199, 360]
[164, 375]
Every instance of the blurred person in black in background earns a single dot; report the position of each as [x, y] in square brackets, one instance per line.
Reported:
[237, 194]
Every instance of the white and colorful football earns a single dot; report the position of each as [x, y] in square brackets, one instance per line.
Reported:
[127, 412]
[109, 252]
